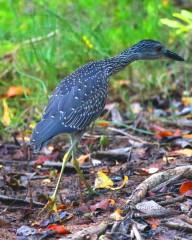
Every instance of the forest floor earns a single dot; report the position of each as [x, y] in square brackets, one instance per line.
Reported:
[141, 172]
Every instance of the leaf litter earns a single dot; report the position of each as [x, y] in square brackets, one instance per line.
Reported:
[117, 156]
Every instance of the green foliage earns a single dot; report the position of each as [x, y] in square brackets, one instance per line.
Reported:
[182, 24]
[49, 39]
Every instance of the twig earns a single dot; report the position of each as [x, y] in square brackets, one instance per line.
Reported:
[154, 214]
[166, 183]
[181, 226]
[119, 153]
[136, 232]
[173, 200]
[90, 231]
[17, 201]
[12, 54]
[127, 134]
[156, 179]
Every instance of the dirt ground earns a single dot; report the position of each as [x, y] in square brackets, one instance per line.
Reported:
[153, 152]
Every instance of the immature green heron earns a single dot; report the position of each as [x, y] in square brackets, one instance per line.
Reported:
[80, 98]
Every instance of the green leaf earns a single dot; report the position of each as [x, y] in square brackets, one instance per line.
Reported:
[171, 23]
[183, 18]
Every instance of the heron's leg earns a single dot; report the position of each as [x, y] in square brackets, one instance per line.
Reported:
[65, 160]
[77, 167]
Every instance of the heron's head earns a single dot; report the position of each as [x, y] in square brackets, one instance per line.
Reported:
[150, 49]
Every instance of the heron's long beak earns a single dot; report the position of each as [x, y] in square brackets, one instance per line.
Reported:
[173, 56]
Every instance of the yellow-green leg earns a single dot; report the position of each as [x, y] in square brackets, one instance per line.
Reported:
[78, 169]
[51, 205]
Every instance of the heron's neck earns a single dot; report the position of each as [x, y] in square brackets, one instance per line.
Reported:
[115, 64]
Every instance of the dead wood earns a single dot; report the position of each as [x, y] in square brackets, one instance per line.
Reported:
[140, 192]
[16, 201]
[179, 225]
[90, 231]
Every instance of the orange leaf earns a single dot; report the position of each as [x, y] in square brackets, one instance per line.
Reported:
[83, 158]
[117, 215]
[103, 123]
[187, 101]
[60, 229]
[187, 136]
[154, 222]
[185, 187]
[16, 91]
[161, 132]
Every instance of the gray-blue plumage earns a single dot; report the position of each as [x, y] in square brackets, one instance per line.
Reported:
[80, 98]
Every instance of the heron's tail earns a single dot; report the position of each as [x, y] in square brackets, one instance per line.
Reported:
[45, 130]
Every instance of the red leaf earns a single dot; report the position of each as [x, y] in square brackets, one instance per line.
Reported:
[185, 187]
[60, 229]
[43, 158]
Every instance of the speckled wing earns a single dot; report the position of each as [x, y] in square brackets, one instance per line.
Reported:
[76, 102]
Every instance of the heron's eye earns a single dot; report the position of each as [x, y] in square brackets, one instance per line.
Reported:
[159, 48]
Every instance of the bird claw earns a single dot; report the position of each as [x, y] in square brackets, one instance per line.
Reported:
[50, 206]
[91, 191]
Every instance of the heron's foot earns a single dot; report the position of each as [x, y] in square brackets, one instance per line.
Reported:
[50, 206]
[91, 191]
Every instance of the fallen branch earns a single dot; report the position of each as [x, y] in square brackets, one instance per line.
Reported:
[90, 231]
[166, 183]
[173, 200]
[180, 226]
[16, 201]
[135, 232]
[116, 154]
[156, 179]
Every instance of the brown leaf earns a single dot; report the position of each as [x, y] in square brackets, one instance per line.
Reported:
[154, 222]
[104, 204]
[83, 158]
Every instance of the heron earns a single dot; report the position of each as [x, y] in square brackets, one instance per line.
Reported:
[80, 99]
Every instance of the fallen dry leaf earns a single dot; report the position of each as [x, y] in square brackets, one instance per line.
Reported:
[103, 123]
[153, 222]
[161, 132]
[103, 204]
[148, 171]
[83, 158]
[6, 119]
[186, 101]
[60, 229]
[187, 136]
[185, 187]
[125, 181]
[16, 91]
[117, 215]
[186, 152]
[103, 181]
